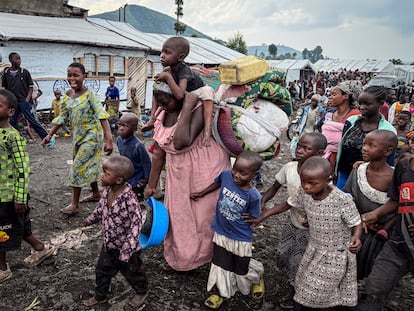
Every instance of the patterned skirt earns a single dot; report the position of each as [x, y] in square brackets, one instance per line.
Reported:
[232, 268]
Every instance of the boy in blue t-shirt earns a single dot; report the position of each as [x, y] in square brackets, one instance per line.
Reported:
[232, 267]
[112, 98]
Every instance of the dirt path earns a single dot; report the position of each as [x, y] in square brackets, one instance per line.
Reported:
[63, 281]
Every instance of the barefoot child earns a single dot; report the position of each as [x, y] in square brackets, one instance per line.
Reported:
[294, 236]
[121, 218]
[181, 79]
[369, 184]
[131, 147]
[327, 275]
[15, 223]
[232, 268]
[56, 103]
[83, 109]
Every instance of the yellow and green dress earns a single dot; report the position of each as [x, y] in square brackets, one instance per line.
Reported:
[84, 114]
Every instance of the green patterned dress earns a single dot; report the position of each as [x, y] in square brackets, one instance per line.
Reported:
[84, 114]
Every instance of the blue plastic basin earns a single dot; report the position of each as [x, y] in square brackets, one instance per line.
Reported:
[160, 222]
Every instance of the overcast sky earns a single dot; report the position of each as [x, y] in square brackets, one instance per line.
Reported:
[375, 29]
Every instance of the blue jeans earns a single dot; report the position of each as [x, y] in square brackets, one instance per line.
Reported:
[25, 109]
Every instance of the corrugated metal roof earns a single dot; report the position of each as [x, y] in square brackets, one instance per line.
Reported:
[60, 29]
[100, 32]
[202, 50]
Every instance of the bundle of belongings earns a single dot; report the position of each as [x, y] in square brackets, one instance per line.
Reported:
[252, 106]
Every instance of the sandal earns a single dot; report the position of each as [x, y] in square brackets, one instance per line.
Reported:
[5, 274]
[38, 256]
[258, 290]
[69, 210]
[213, 302]
[91, 302]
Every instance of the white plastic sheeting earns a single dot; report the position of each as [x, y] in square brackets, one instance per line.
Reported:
[374, 66]
[292, 67]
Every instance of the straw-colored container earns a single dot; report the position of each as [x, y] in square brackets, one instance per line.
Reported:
[242, 70]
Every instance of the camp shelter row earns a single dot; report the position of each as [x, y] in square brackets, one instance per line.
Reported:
[48, 45]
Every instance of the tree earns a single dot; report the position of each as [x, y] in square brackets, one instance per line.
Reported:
[237, 43]
[313, 55]
[273, 50]
[396, 61]
[305, 54]
[178, 26]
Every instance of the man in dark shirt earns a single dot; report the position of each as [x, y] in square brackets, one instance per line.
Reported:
[19, 81]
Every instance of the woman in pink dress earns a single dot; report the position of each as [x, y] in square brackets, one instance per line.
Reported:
[191, 167]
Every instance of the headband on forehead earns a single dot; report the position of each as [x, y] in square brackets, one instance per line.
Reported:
[162, 87]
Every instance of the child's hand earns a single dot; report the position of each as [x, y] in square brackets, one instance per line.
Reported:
[305, 222]
[20, 208]
[149, 192]
[368, 219]
[46, 140]
[357, 164]
[195, 196]
[253, 220]
[355, 245]
[165, 75]
[108, 147]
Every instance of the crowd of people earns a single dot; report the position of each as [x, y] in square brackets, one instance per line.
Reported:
[351, 212]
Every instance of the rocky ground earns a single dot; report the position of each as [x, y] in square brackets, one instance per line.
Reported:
[64, 280]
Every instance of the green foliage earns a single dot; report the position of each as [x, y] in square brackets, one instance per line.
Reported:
[178, 26]
[313, 55]
[273, 50]
[396, 61]
[237, 43]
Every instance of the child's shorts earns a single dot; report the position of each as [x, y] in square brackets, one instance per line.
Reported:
[13, 227]
[204, 93]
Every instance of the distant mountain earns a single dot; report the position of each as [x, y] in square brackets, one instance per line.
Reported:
[147, 20]
[260, 50]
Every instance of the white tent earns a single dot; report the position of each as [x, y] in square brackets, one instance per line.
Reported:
[374, 66]
[295, 69]
[405, 71]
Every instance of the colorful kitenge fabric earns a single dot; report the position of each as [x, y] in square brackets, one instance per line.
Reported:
[14, 167]
[84, 114]
[210, 77]
[268, 87]
[121, 222]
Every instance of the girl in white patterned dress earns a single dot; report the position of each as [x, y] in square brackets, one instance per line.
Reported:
[327, 275]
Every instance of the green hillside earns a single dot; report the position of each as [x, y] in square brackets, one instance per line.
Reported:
[147, 20]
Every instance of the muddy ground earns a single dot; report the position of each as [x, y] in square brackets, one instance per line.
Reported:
[64, 280]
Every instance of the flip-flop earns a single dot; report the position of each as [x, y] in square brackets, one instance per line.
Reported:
[258, 290]
[213, 302]
[69, 210]
[89, 199]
